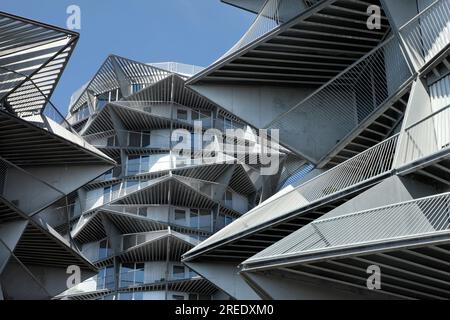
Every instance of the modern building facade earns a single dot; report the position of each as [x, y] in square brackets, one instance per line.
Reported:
[368, 106]
[359, 91]
[41, 162]
[135, 222]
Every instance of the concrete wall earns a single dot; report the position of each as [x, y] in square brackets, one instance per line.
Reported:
[257, 105]
[400, 11]
[224, 276]
[285, 286]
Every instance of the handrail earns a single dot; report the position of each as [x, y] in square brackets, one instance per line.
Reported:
[268, 19]
[416, 17]
[363, 168]
[387, 70]
[428, 117]
[425, 137]
[418, 217]
[428, 33]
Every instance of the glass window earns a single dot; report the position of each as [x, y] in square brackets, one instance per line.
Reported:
[182, 114]
[180, 216]
[126, 296]
[111, 141]
[205, 220]
[177, 297]
[132, 185]
[193, 296]
[113, 95]
[145, 164]
[138, 296]
[102, 101]
[109, 280]
[134, 139]
[131, 210]
[228, 220]
[126, 275]
[131, 274]
[108, 175]
[101, 279]
[193, 219]
[228, 199]
[139, 273]
[106, 195]
[136, 87]
[104, 250]
[146, 139]
[228, 196]
[115, 191]
[142, 212]
[178, 272]
[133, 166]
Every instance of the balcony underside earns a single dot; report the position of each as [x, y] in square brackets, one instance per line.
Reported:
[161, 245]
[126, 223]
[310, 49]
[25, 144]
[246, 244]
[40, 245]
[293, 208]
[196, 285]
[434, 169]
[416, 268]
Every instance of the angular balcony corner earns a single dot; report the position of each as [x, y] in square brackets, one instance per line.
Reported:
[408, 240]
[292, 209]
[378, 104]
[295, 42]
[427, 34]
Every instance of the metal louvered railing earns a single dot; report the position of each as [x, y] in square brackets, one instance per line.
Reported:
[410, 219]
[347, 100]
[428, 33]
[371, 164]
[367, 165]
[273, 14]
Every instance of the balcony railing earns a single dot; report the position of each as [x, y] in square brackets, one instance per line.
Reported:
[426, 137]
[348, 99]
[427, 34]
[273, 14]
[365, 167]
[410, 219]
[131, 279]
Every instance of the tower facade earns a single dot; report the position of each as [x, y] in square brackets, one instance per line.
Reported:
[135, 222]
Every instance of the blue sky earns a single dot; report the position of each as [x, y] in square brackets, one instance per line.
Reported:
[188, 31]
